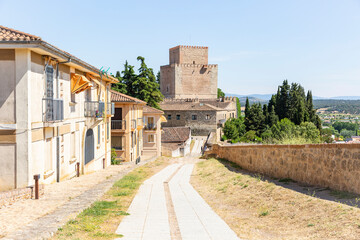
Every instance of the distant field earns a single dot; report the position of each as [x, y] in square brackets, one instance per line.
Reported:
[341, 106]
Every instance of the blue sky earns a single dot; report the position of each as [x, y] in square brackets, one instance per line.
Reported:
[256, 43]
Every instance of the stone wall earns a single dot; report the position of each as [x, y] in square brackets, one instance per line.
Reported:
[336, 166]
[10, 197]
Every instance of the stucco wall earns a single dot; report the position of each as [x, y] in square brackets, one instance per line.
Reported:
[336, 166]
[7, 89]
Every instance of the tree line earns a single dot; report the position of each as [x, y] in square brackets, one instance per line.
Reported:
[289, 116]
[144, 85]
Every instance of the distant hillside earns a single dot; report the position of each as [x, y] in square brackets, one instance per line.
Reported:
[267, 97]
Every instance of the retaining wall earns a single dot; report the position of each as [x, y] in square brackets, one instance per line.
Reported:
[336, 166]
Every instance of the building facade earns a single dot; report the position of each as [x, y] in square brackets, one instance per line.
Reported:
[55, 112]
[188, 74]
[135, 128]
[189, 85]
[152, 131]
[127, 127]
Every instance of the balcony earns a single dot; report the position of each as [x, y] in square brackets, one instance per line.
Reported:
[53, 110]
[94, 109]
[150, 126]
[118, 124]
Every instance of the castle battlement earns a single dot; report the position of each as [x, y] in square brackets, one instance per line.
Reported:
[186, 46]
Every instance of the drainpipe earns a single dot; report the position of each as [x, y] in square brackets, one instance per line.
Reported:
[57, 128]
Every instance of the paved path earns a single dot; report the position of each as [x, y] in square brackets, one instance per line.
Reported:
[40, 219]
[149, 211]
[198, 144]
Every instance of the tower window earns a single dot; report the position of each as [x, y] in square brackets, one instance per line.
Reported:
[193, 62]
[177, 117]
[193, 117]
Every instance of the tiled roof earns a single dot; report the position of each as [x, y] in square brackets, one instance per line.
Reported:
[186, 106]
[120, 97]
[9, 35]
[175, 134]
[148, 109]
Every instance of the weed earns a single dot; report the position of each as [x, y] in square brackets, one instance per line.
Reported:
[121, 193]
[99, 208]
[344, 195]
[245, 186]
[122, 213]
[311, 225]
[263, 211]
[259, 177]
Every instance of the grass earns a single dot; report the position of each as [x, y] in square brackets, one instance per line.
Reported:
[101, 219]
[343, 195]
[257, 209]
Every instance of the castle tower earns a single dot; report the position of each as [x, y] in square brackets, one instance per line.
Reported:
[188, 74]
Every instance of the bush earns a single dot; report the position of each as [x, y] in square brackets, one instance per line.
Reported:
[114, 161]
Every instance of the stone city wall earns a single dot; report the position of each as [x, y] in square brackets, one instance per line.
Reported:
[336, 166]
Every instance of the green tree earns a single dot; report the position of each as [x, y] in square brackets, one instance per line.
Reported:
[238, 108]
[326, 135]
[247, 108]
[147, 89]
[309, 131]
[230, 130]
[120, 86]
[297, 104]
[272, 117]
[255, 120]
[283, 101]
[220, 93]
[129, 77]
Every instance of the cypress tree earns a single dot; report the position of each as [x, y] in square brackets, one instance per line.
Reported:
[247, 108]
[238, 108]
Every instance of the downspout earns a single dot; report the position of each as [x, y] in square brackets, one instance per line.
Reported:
[57, 128]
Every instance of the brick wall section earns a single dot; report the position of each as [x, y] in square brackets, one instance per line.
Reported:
[9, 197]
[336, 166]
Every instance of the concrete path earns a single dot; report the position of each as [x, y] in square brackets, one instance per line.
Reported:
[198, 144]
[40, 219]
[149, 210]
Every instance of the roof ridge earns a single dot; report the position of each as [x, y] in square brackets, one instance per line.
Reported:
[2, 28]
[127, 96]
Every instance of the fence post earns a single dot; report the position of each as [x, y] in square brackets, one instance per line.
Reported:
[103, 163]
[77, 169]
[36, 178]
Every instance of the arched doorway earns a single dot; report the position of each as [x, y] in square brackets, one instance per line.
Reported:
[89, 146]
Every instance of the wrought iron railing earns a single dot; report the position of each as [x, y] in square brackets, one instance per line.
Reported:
[150, 126]
[53, 110]
[94, 109]
[118, 124]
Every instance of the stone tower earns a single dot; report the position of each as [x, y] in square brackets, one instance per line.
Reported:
[188, 74]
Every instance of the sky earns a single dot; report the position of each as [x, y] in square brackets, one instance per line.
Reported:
[257, 44]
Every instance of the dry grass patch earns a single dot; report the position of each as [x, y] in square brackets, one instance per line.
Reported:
[257, 209]
[101, 220]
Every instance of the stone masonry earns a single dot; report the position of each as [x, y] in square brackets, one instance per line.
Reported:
[188, 74]
[336, 166]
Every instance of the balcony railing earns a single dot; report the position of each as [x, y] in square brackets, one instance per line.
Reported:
[110, 109]
[53, 110]
[94, 109]
[118, 124]
[150, 126]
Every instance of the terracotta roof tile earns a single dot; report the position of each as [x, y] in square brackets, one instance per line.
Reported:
[120, 97]
[148, 109]
[175, 134]
[9, 35]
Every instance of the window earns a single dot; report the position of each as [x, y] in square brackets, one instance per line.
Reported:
[49, 70]
[72, 145]
[177, 117]
[151, 138]
[99, 134]
[117, 142]
[193, 117]
[193, 62]
[108, 131]
[207, 117]
[169, 117]
[73, 97]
